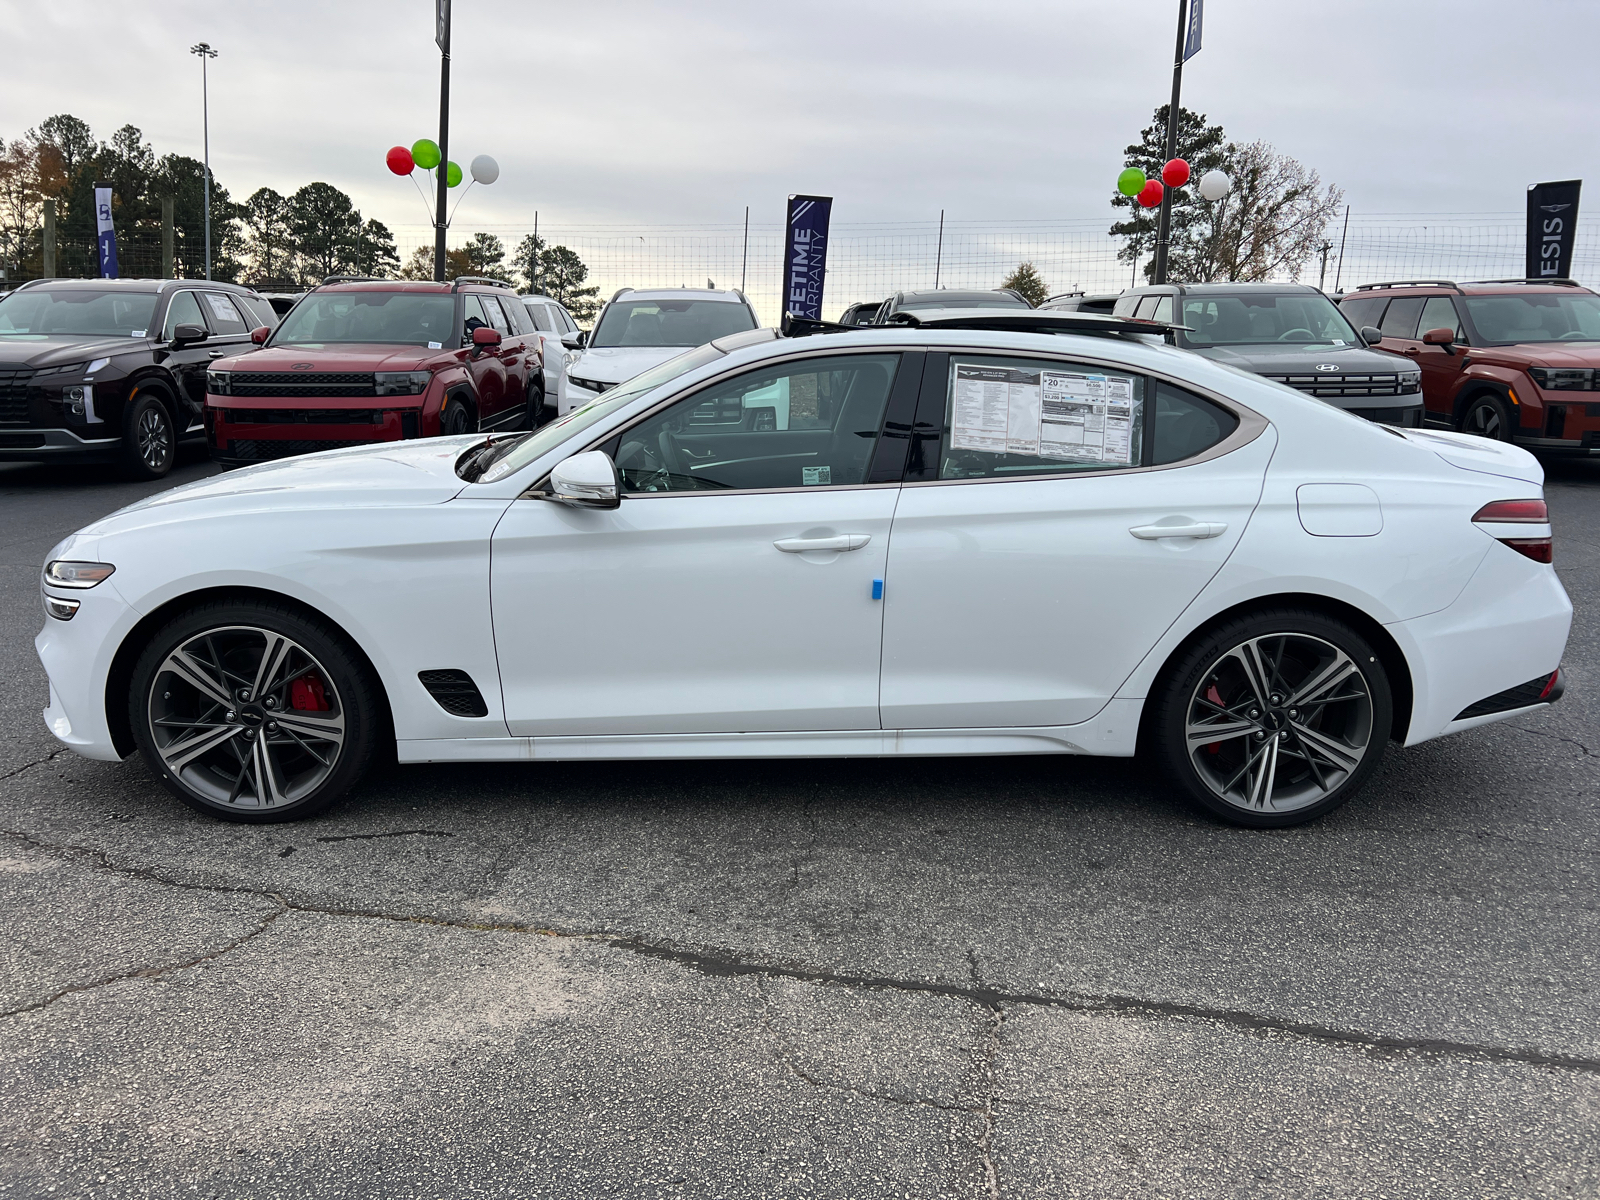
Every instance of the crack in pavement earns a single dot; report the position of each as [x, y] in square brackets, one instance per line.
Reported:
[372, 837]
[730, 966]
[1556, 737]
[38, 762]
[991, 1175]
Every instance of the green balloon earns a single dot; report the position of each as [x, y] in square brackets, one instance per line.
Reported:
[425, 153]
[1130, 183]
[452, 175]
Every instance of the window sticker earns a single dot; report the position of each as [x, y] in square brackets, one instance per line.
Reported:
[220, 308]
[1087, 417]
[138, 333]
[816, 475]
[1036, 412]
[435, 345]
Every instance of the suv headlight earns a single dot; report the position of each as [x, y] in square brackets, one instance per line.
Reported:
[219, 383]
[593, 385]
[1563, 379]
[63, 573]
[402, 383]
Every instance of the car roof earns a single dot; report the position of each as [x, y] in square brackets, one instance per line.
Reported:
[137, 286]
[1222, 289]
[1476, 287]
[730, 295]
[948, 294]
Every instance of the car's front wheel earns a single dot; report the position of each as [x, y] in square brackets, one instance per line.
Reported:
[149, 438]
[1274, 719]
[1487, 416]
[457, 420]
[535, 414]
[253, 712]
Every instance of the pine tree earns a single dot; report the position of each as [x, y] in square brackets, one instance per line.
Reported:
[1027, 282]
[1205, 148]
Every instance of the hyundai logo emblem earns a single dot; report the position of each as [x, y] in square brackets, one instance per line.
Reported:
[308, 366]
[1327, 366]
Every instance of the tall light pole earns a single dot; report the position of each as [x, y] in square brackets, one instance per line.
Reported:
[204, 50]
[441, 223]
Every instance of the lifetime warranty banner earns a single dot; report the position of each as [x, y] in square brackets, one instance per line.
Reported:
[805, 255]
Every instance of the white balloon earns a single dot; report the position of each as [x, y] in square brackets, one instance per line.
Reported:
[485, 170]
[1214, 185]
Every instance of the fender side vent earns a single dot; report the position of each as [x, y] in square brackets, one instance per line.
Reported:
[455, 692]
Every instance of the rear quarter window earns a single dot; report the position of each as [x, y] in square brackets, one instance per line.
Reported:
[1186, 425]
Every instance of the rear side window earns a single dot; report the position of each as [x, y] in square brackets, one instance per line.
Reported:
[1401, 319]
[1363, 310]
[1186, 425]
[541, 317]
[563, 319]
[1007, 417]
[1125, 306]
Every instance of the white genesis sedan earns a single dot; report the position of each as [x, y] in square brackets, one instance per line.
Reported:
[978, 533]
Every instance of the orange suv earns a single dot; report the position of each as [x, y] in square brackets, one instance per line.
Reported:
[1512, 359]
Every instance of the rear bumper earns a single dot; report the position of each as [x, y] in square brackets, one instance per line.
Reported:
[56, 445]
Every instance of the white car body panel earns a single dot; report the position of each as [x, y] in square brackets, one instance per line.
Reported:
[609, 364]
[390, 544]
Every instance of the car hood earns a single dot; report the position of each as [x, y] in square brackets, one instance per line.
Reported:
[51, 351]
[343, 358]
[1472, 453]
[1272, 359]
[379, 475]
[614, 364]
[1541, 354]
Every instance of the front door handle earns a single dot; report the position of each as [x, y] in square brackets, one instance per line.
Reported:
[216, 354]
[1412, 350]
[1194, 529]
[844, 541]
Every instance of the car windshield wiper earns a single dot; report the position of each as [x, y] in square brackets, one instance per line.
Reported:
[475, 460]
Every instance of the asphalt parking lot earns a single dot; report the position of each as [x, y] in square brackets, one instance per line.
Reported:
[926, 978]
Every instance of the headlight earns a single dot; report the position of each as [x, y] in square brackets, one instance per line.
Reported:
[1411, 383]
[1563, 379]
[64, 368]
[60, 573]
[401, 383]
[219, 383]
[593, 385]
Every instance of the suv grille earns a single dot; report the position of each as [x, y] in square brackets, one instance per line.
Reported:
[262, 451]
[14, 394]
[301, 383]
[305, 416]
[1350, 385]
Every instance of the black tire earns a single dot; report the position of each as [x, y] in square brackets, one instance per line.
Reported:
[1294, 744]
[149, 438]
[1487, 415]
[535, 415]
[293, 750]
[457, 420]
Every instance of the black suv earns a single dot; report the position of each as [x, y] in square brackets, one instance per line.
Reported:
[1288, 332]
[114, 370]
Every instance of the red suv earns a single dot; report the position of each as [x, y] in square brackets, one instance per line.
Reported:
[376, 360]
[1509, 359]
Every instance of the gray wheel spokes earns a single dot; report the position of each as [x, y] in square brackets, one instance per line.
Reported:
[1279, 722]
[223, 717]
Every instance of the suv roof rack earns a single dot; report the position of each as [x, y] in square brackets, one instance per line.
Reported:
[1560, 282]
[1367, 287]
[998, 320]
[327, 279]
[455, 284]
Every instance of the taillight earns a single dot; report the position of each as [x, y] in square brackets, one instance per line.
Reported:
[1520, 512]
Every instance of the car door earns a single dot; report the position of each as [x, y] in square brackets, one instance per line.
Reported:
[484, 364]
[188, 363]
[515, 353]
[1031, 565]
[550, 347]
[737, 586]
[1441, 368]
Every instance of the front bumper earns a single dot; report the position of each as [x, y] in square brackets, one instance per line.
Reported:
[237, 440]
[56, 445]
[77, 655]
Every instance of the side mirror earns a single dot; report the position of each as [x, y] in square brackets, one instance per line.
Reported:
[575, 341]
[187, 335]
[1371, 335]
[260, 334]
[1445, 338]
[588, 480]
[485, 337]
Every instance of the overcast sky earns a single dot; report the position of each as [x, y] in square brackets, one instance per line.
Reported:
[620, 111]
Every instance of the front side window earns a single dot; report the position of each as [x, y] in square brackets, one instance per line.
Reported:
[541, 317]
[225, 319]
[670, 322]
[1007, 417]
[1536, 317]
[35, 313]
[390, 318]
[184, 310]
[1254, 319]
[1439, 313]
[497, 317]
[811, 423]
[1400, 321]
[1363, 310]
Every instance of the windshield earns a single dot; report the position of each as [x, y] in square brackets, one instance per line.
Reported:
[960, 300]
[76, 312]
[670, 322]
[391, 318]
[517, 453]
[1254, 319]
[1537, 317]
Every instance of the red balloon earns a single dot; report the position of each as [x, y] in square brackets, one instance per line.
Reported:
[400, 160]
[1175, 173]
[1151, 196]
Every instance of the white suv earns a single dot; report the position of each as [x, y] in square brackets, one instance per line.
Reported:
[556, 329]
[640, 328]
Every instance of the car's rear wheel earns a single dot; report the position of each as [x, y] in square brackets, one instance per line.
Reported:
[535, 416]
[149, 439]
[1487, 416]
[457, 420]
[1274, 719]
[253, 712]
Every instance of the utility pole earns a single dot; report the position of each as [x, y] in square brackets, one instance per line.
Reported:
[745, 261]
[938, 261]
[1164, 223]
[206, 52]
[1322, 275]
[1338, 275]
[441, 12]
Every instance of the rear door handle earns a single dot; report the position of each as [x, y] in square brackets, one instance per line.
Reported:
[844, 541]
[1194, 529]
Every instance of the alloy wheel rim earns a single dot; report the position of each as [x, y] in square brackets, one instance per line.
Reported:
[154, 442]
[1485, 421]
[1279, 722]
[246, 718]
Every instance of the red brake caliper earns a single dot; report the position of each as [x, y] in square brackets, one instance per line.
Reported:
[307, 694]
[1216, 698]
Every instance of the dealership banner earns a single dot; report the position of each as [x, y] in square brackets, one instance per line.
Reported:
[1552, 222]
[108, 235]
[1191, 39]
[805, 255]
